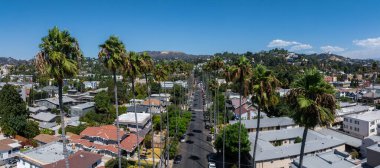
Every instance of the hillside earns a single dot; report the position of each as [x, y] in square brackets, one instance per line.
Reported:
[12, 61]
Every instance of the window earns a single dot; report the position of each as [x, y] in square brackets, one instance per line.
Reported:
[350, 120]
[378, 126]
[357, 122]
[345, 119]
[373, 123]
[372, 130]
[350, 128]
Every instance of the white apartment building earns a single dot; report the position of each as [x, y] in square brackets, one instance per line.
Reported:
[362, 125]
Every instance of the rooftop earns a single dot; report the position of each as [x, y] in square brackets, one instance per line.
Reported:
[367, 116]
[129, 143]
[44, 116]
[84, 105]
[37, 109]
[45, 138]
[314, 142]
[105, 132]
[352, 109]
[331, 159]
[47, 124]
[129, 118]
[139, 109]
[153, 102]
[46, 154]
[267, 122]
[55, 101]
[77, 160]
[349, 140]
[8, 144]
[375, 147]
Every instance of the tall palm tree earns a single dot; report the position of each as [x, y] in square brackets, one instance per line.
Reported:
[160, 74]
[263, 86]
[228, 70]
[133, 70]
[113, 55]
[313, 103]
[216, 64]
[146, 68]
[59, 57]
[241, 74]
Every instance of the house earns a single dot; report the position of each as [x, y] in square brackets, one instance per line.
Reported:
[91, 84]
[82, 109]
[40, 156]
[268, 124]
[43, 139]
[368, 141]
[278, 148]
[80, 159]
[167, 85]
[103, 140]
[373, 155]
[44, 117]
[362, 125]
[163, 97]
[350, 108]
[154, 105]
[93, 93]
[350, 142]
[35, 110]
[53, 103]
[136, 101]
[52, 90]
[8, 149]
[330, 159]
[143, 122]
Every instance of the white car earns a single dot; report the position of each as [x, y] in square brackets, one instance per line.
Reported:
[211, 165]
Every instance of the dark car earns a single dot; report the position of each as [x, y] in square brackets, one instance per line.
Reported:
[209, 137]
[177, 159]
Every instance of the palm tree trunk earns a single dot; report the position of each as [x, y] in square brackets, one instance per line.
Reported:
[215, 119]
[303, 146]
[257, 136]
[167, 145]
[63, 136]
[151, 115]
[117, 119]
[137, 125]
[224, 129]
[239, 126]
[161, 148]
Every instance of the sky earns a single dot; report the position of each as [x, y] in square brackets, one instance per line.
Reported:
[350, 28]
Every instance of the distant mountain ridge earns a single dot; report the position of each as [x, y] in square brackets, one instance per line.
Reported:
[172, 55]
[12, 61]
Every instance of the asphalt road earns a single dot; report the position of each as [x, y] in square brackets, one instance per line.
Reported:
[196, 148]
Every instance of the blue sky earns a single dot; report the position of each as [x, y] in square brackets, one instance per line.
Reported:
[350, 28]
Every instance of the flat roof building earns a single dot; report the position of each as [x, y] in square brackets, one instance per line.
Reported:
[373, 155]
[331, 159]
[268, 124]
[82, 109]
[277, 148]
[362, 125]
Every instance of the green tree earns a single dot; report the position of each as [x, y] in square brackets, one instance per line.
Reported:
[13, 113]
[59, 57]
[102, 102]
[263, 87]
[31, 129]
[313, 103]
[232, 142]
[113, 56]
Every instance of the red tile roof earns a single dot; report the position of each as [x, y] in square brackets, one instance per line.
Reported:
[4, 144]
[236, 102]
[153, 102]
[106, 132]
[129, 143]
[111, 148]
[78, 160]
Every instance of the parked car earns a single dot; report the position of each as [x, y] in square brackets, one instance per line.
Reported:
[211, 165]
[183, 138]
[177, 159]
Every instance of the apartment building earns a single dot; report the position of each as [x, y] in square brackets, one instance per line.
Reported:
[362, 125]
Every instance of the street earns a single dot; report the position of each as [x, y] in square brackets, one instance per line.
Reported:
[196, 148]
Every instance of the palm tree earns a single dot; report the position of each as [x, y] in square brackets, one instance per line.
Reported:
[146, 68]
[228, 76]
[313, 103]
[113, 55]
[241, 73]
[59, 57]
[263, 86]
[160, 74]
[132, 70]
[216, 64]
